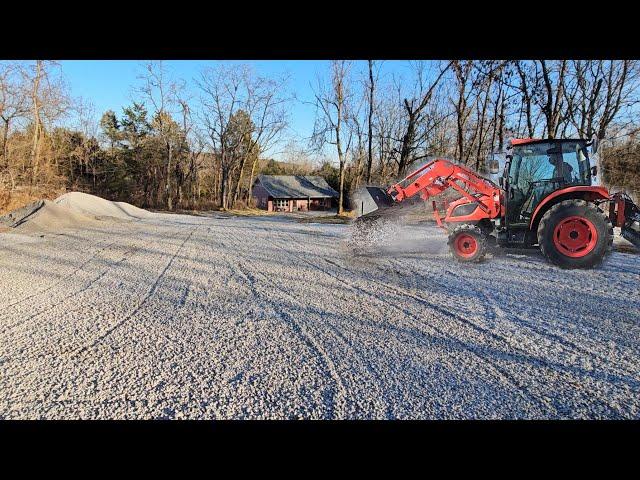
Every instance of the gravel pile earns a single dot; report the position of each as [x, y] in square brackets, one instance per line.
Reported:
[73, 210]
[93, 206]
[52, 217]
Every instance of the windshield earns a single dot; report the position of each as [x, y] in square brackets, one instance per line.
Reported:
[564, 163]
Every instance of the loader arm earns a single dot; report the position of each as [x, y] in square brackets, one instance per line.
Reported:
[439, 175]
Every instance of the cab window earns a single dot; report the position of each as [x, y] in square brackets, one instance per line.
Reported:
[563, 163]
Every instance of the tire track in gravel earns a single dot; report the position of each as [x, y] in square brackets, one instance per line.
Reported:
[577, 283]
[493, 310]
[140, 304]
[368, 366]
[38, 354]
[337, 402]
[568, 345]
[500, 372]
[539, 362]
[89, 285]
[157, 330]
[60, 280]
[418, 325]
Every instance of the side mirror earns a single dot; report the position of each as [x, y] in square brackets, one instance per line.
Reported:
[594, 171]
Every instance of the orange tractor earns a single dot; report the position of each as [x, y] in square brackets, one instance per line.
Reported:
[547, 196]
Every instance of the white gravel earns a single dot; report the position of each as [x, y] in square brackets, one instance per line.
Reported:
[262, 317]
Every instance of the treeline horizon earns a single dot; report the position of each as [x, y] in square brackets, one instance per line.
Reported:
[201, 144]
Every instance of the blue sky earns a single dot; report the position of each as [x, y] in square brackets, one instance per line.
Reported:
[108, 83]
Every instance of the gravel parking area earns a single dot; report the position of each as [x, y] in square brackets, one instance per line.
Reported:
[179, 316]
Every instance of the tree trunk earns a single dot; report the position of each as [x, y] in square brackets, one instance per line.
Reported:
[407, 141]
[370, 133]
[224, 180]
[168, 191]
[5, 135]
[35, 147]
[501, 125]
[481, 132]
[253, 171]
[526, 99]
[236, 193]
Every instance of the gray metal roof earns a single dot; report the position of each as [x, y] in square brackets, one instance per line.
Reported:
[296, 186]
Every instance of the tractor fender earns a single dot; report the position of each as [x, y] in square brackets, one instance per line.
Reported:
[585, 192]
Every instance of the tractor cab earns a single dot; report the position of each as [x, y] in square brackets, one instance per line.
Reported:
[534, 169]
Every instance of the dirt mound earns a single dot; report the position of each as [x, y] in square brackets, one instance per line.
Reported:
[53, 217]
[93, 206]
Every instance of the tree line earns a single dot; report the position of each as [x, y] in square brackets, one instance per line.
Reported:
[201, 143]
[380, 126]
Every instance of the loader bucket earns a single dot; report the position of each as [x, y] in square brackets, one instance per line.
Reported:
[370, 201]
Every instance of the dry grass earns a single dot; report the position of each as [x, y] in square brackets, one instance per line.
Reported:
[248, 212]
[240, 212]
[328, 219]
[13, 199]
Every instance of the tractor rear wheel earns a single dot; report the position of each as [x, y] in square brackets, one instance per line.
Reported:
[575, 234]
[467, 243]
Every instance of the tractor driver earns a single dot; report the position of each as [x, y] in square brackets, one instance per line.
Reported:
[562, 171]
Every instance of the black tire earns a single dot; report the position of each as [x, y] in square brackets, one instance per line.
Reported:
[463, 248]
[594, 249]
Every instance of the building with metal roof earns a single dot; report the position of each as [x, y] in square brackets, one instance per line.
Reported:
[291, 193]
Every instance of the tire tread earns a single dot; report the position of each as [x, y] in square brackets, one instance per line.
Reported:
[481, 238]
[542, 227]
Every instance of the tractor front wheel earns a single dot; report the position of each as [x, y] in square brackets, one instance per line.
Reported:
[575, 234]
[467, 243]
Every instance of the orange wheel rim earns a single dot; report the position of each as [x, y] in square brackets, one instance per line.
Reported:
[575, 236]
[465, 245]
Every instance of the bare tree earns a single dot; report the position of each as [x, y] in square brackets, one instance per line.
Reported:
[243, 115]
[389, 127]
[526, 87]
[265, 104]
[371, 106]
[355, 129]
[13, 101]
[48, 100]
[219, 102]
[416, 108]
[332, 105]
[192, 148]
[598, 91]
[161, 92]
[551, 100]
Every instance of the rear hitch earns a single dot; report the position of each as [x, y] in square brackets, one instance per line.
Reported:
[631, 235]
[627, 217]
